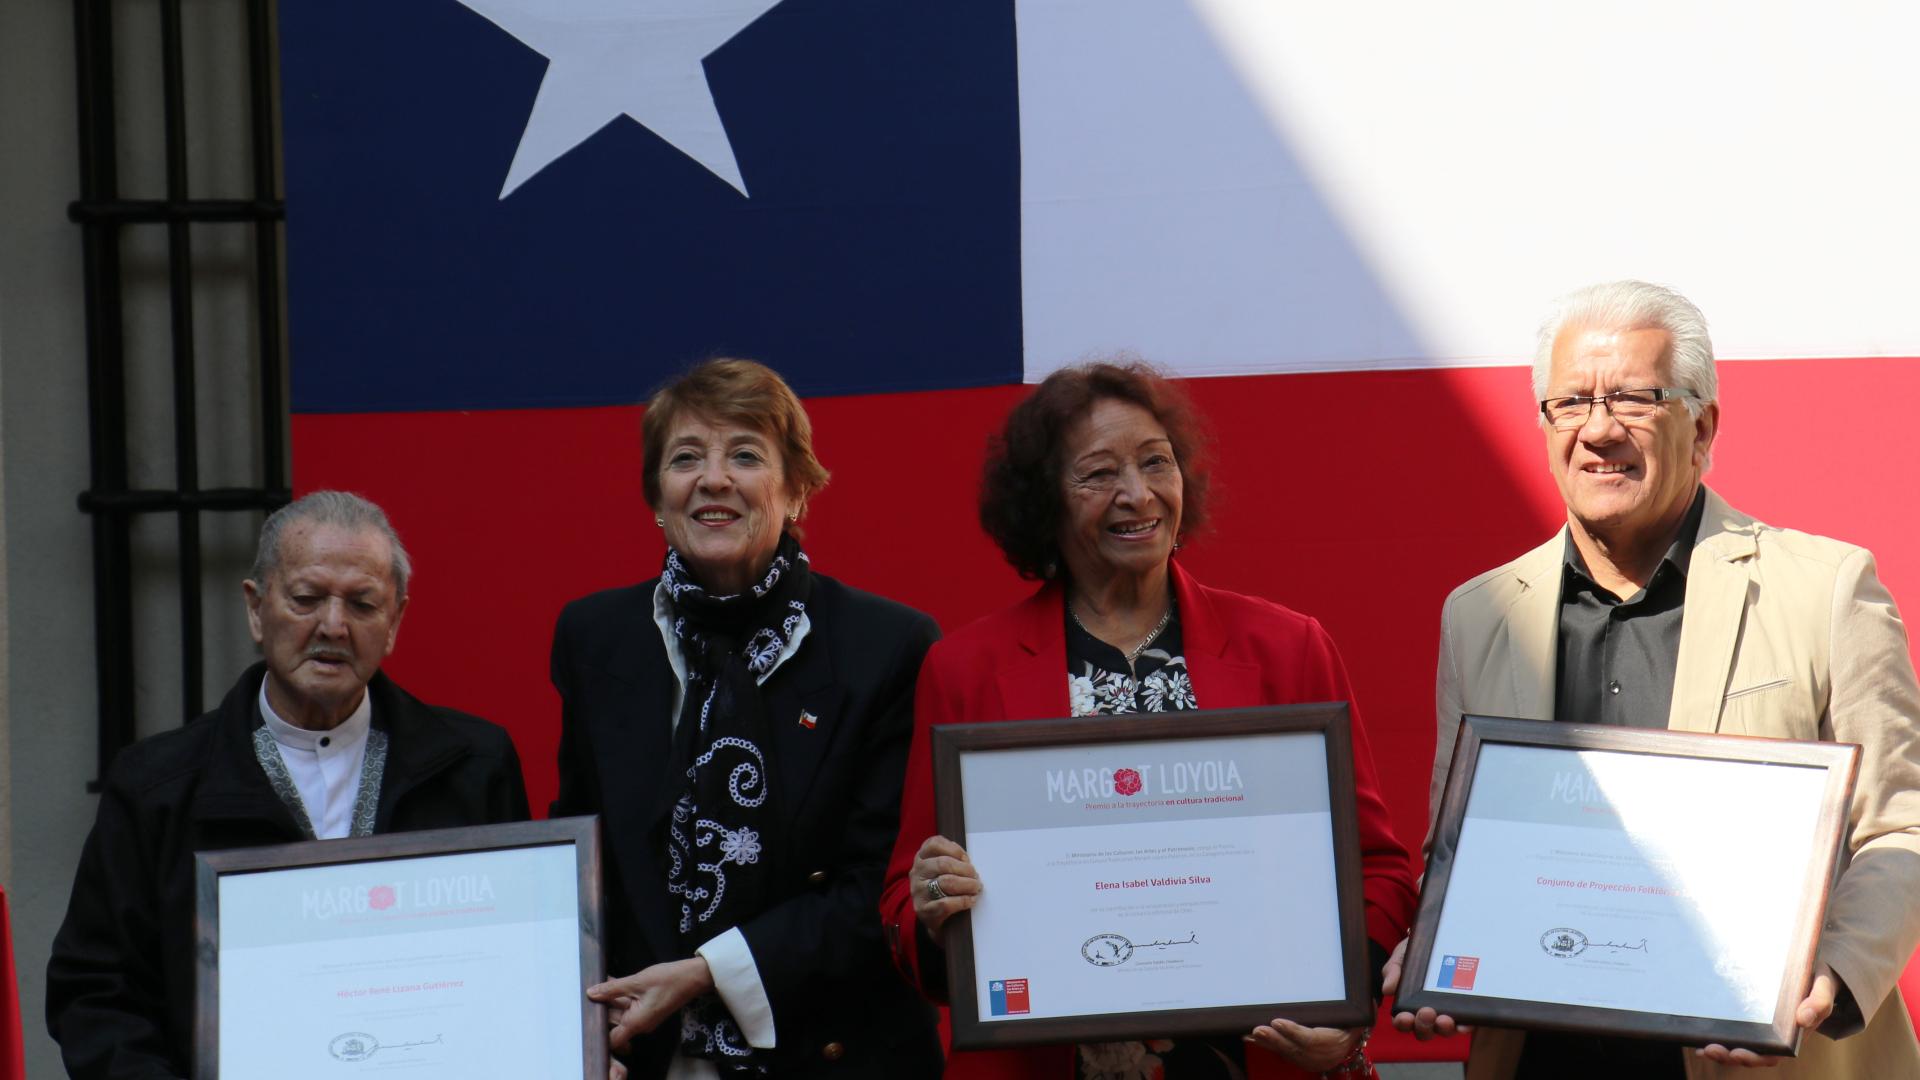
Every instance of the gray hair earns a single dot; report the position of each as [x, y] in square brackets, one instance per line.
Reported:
[343, 509]
[1635, 305]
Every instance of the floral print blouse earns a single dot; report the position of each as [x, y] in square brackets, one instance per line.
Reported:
[1101, 683]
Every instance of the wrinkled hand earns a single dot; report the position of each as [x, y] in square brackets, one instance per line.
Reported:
[638, 1003]
[1425, 1024]
[1813, 1011]
[1313, 1049]
[943, 860]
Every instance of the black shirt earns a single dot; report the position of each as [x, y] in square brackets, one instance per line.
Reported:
[1616, 666]
[1617, 657]
[1617, 660]
[1100, 682]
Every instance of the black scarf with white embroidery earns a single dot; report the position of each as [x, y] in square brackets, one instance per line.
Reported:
[716, 874]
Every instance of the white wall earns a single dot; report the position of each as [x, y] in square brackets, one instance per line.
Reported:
[47, 587]
[43, 424]
[6, 716]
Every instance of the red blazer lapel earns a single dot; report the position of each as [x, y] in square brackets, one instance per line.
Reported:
[1033, 667]
[1220, 679]
[1033, 676]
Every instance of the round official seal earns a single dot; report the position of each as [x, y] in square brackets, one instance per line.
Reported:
[353, 1046]
[1106, 950]
[1563, 941]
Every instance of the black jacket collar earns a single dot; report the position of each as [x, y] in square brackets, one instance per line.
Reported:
[420, 745]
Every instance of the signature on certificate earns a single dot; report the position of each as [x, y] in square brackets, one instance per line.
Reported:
[1564, 941]
[359, 1046]
[1112, 950]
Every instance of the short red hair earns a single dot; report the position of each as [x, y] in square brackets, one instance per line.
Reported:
[731, 391]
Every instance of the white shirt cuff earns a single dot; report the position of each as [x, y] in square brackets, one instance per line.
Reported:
[737, 979]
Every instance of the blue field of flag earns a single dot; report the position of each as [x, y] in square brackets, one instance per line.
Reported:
[877, 246]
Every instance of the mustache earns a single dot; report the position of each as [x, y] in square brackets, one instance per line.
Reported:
[323, 652]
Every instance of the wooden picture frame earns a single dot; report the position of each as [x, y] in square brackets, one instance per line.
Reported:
[1642, 763]
[331, 916]
[1325, 758]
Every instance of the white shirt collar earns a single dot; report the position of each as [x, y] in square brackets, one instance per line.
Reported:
[349, 733]
[323, 765]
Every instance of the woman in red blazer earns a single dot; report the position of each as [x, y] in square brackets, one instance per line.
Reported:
[1089, 487]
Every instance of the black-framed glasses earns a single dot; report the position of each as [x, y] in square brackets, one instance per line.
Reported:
[1627, 406]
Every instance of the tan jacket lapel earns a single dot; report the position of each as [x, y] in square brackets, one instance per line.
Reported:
[1533, 626]
[1719, 576]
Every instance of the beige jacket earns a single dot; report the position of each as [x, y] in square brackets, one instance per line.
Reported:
[1786, 635]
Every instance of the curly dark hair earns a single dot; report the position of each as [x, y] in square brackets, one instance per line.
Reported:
[1021, 501]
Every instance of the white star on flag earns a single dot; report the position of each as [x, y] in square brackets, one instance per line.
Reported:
[640, 58]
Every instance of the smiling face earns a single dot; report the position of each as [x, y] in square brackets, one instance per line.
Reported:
[724, 500]
[1121, 490]
[324, 619]
[1630, 483]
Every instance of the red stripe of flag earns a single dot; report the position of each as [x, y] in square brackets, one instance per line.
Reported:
[12, 1064]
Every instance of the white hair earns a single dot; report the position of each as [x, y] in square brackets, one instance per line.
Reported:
[339, 508]
[1635, 305]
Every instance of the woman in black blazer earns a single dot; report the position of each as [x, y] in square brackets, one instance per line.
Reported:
[742, 725]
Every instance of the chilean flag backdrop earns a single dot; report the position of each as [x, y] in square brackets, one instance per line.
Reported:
[509, 220]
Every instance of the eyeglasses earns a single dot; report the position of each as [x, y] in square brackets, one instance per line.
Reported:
[1626, 406]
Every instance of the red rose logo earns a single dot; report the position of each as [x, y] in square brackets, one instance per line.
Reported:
[380, 897]
[1126, 782]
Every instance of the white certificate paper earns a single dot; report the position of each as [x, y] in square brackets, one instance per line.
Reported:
[461, 965]
[1142, 876]
[1626, 881]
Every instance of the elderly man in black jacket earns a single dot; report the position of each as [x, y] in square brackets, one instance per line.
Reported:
[311, 743]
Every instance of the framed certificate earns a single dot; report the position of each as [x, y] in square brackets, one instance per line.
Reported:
[448, 953]
[1158, 876]
[1642, 883]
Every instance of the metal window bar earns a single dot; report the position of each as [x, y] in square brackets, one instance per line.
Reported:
[102, 212]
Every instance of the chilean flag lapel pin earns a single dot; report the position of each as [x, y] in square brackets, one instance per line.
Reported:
[808, 720]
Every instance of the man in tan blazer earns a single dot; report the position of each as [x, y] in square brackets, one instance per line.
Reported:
[1659, 602]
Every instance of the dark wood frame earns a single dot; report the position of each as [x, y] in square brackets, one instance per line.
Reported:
[1330, 719]
[1782, 1036]
[582, 833]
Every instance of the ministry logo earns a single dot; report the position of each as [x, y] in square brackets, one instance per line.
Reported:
[1008, 997]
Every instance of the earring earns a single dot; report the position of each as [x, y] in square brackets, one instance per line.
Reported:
[793, 515]
[659, 521]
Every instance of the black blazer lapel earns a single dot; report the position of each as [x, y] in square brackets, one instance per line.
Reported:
[420, 745]
[626, 700]
[233, 788]
[805, 722]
